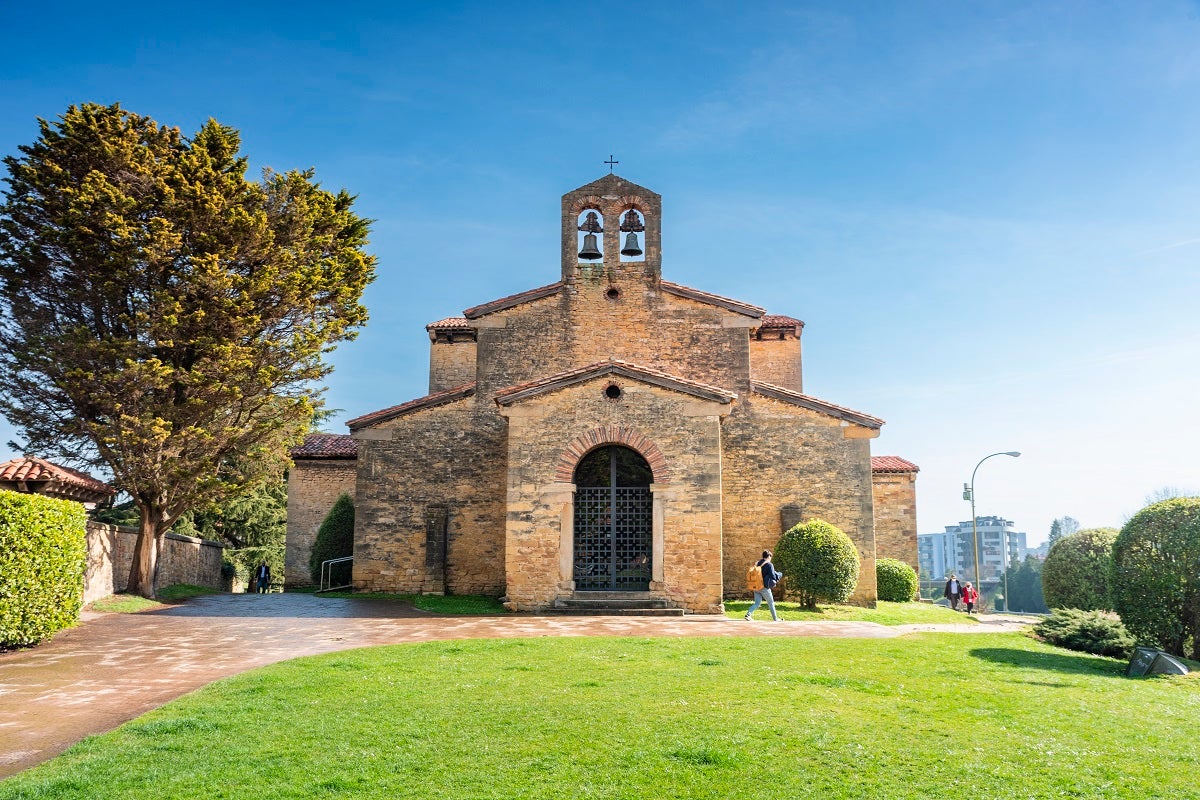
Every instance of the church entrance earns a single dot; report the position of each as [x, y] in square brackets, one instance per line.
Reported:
[613, 521]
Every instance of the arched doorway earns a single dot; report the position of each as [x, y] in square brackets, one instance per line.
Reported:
[613, 521]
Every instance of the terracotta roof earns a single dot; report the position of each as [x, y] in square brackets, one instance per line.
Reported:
[712, 299]
[892, 464]
[626, 369]
[326, 445]
[428, 401]
[816, 404]
[512, 300]
[53, 479]
[451, 324]
[779, 321]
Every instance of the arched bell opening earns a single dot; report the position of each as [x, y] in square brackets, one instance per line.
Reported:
[613, 521]
[590, 240]
[633, 227]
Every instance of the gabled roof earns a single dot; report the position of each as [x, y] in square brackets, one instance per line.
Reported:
[38, 476]
[712, 299]
[326, 445]
[551, 383]
[780, 322]
[892, 464]
[815, 404]
[504, 303]
[428, 401]
[612, 184]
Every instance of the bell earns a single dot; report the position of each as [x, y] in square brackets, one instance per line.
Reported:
[590, 251]
[631, 247]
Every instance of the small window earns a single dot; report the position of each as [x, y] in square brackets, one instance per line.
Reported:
[613, 392]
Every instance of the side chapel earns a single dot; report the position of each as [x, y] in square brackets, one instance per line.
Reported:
[611, 434]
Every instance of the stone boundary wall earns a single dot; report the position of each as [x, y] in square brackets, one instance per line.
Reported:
[181, 559]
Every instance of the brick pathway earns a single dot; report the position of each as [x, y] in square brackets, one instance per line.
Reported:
[115, 667]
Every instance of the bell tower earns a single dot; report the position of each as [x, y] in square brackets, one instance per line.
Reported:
[611, 227]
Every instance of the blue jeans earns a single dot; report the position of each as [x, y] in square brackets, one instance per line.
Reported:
[759, 596]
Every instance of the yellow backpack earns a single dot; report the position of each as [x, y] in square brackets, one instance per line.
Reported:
[754, 580]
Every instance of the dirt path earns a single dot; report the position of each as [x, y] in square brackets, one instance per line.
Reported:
[115, 667]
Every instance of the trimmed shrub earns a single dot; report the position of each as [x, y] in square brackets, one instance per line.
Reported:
[1154, 575]
[1098, 632]
[1075, 573]
[43, 552]
[895, 581]
[819, 562]
[335, 539]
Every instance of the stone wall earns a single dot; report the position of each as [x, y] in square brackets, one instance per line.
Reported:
[441, 466]
[896, 516]
[786, 461]
[675, 431]
[314, 485]
[777, 360]
[451, 363]
[181, 559]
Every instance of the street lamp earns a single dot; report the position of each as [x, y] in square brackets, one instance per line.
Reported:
[969, 494]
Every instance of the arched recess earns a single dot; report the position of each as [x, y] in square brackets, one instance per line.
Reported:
[613, 525]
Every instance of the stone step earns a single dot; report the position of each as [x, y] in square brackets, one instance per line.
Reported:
[599, 611]
[615, 603]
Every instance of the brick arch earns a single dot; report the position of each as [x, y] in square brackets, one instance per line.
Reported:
[632, 201]
[612, 434]
[592, 202]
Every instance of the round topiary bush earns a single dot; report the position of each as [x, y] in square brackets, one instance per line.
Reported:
[895, 581]
[335, 539]
[1154, 575]
[1075, 573]
[819, 562]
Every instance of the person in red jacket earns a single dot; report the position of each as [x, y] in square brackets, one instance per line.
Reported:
[970, 597]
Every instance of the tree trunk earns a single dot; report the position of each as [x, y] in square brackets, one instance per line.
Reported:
[144, 566]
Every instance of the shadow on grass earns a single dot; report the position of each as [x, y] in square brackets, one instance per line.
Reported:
[1069, 663]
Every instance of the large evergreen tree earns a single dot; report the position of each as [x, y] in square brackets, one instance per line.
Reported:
[163, 316]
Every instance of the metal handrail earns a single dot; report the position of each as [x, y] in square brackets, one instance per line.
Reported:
[327, 574]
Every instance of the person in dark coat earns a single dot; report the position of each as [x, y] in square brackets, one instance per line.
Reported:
[953, 591]
[262, 578]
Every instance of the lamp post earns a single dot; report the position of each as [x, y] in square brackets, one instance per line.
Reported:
[969, 494]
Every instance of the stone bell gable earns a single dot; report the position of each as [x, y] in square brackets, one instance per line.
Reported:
[611, 434]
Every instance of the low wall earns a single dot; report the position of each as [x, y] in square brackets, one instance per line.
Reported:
[181, 559]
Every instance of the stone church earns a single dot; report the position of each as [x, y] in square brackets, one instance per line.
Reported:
[608, 435]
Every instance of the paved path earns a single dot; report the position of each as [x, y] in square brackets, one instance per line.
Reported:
[115, 667]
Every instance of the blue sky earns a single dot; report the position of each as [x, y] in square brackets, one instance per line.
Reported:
[988, 214]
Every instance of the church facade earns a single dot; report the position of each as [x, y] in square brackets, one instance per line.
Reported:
[610, 432]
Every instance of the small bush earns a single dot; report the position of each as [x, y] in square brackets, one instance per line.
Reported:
[335, 539]
[43, 551]
[1098, 632]
[819, 562]
[1075, 573]
[895, 581]
[1154, 575]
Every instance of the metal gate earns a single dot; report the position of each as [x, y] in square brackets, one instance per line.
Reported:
[613, 536]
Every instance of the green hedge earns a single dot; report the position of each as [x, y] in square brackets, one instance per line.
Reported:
[43, 552]
[895, 581]
[335, 539]
[819, 563]
[1075, 573]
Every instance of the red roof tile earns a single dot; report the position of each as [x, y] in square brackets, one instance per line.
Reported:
[31, 469]
[451, 324]
[428, 401]
[779, 321]
[327, 445]
[892, 464]
[612, 366]
[816, 404]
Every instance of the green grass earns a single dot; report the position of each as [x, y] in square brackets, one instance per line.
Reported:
[134, 604]
[883, 614]
[921, 716]
[439, 604]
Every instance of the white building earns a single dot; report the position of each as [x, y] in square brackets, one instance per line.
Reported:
[951, 551]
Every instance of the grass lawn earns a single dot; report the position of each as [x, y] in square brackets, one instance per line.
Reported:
[132, 603]
[921, 716]
[884, 614]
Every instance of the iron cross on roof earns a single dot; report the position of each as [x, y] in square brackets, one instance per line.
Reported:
[611, 163]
